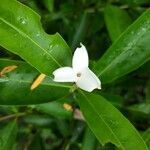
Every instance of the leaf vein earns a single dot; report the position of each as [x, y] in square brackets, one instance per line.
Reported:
[27, 36]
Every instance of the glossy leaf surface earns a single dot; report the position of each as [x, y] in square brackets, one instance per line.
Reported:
[128, 53]
[15, 86]
[21, 33]
[108, 124]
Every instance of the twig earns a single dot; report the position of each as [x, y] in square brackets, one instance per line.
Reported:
[12, 116]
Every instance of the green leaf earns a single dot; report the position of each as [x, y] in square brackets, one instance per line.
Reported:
[36, 143]
[108, 124]
[128, 53]
[135, 2]
[80, 30]
[89, 141]
[140, 110]
[22, 34]
[147, 99]
[55, 109]
[8, 136]
[116, 100]
[38, 120]
[146, 137]
[15, 86]
[49, 4]
[117, 20]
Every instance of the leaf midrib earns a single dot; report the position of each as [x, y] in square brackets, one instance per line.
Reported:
[27, 36]
[114, 60]
[104, 122]
[29, 82]
[128, 28]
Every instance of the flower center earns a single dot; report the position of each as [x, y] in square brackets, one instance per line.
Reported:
[78, 74]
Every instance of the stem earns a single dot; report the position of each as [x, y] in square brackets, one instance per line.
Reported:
[73, 88]
[12, 116]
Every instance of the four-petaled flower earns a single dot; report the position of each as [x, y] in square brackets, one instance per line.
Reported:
[79, 72]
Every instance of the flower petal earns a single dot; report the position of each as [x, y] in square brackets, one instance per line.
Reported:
[64, 74]
[80, 58]
[88, 81]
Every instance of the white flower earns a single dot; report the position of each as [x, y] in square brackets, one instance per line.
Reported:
[79, 72]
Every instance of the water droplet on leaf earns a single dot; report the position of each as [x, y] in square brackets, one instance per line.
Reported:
[22, 20]
[38, 34]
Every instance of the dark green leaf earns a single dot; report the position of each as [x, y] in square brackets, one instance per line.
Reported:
[89, 141]
[140, 110]
[117, 20]
[55, 109]
[49, 4]
[8, 135]
[148, 92]
[136, 2]
[80, 30]
[108, 124]
[128, 53]
[37, 143]
[38, 120]
[116, 100]
[21, 33]
[146, 137]
[15, 86]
